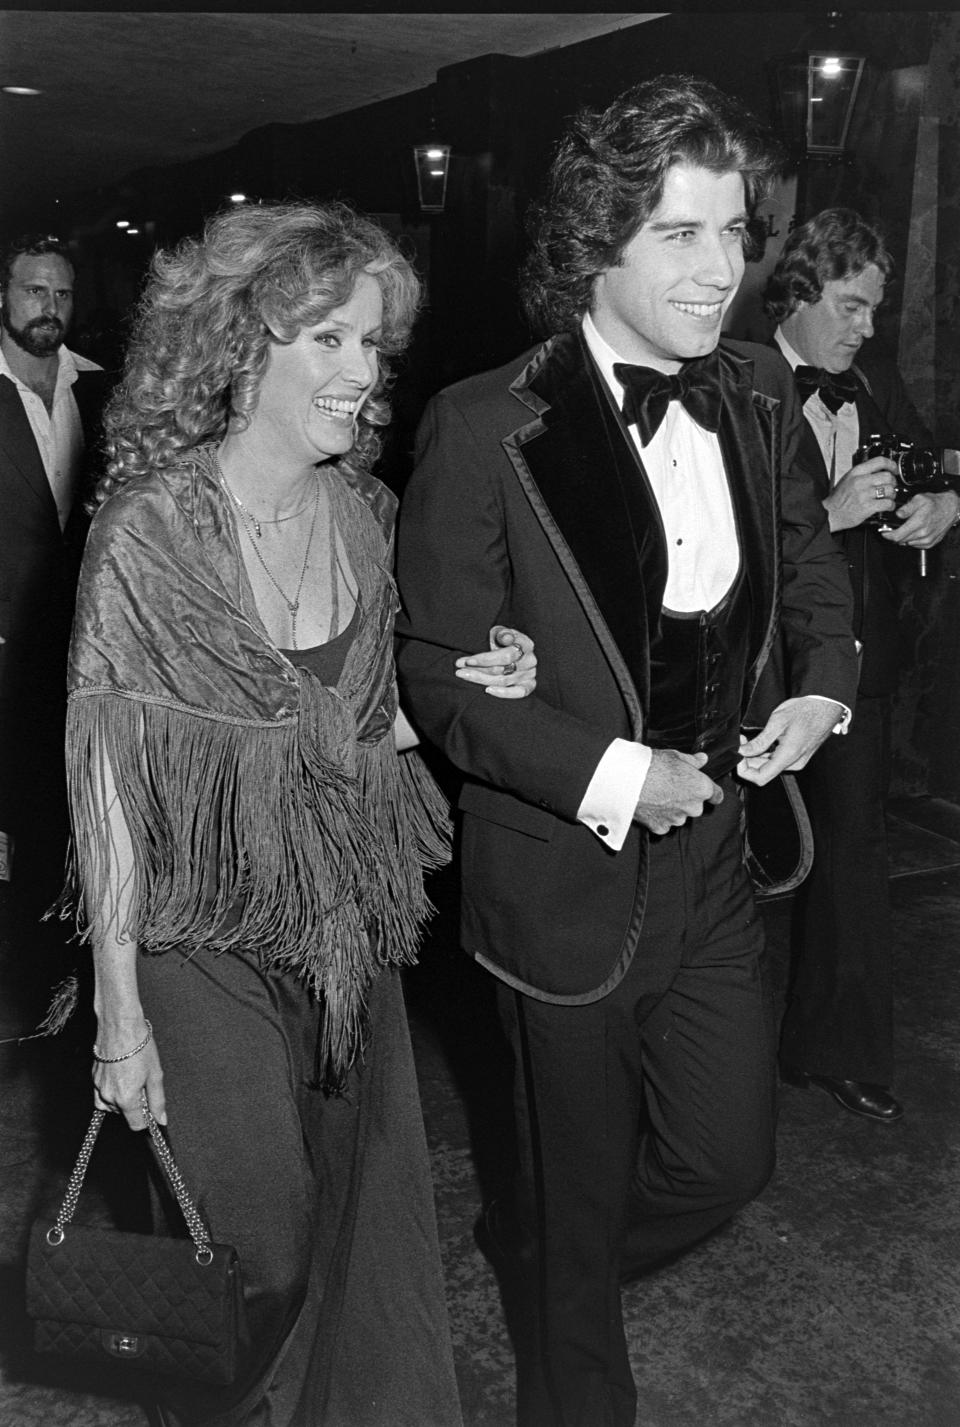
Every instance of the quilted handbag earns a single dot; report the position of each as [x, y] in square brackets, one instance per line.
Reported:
[164, 1305]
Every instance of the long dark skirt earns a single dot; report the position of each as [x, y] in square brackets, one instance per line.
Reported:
[328, 1200]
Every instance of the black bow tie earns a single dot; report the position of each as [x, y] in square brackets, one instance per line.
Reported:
[647, 394]
[834, 387]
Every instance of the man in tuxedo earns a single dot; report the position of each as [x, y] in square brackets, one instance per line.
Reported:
[627, 493]
[837, 1034]
[50, 405]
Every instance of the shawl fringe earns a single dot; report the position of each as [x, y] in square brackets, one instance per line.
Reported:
[294, 841]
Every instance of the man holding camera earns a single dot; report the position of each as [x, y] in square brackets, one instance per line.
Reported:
[837, 1034]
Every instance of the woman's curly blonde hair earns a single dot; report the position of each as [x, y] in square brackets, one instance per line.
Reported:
[214, 305]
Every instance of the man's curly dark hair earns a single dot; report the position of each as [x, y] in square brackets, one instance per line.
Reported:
[836, 243]
[607, 178]
[30, 245]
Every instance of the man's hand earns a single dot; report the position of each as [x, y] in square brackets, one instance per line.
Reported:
[855, 497]
[674, 790]
[793, 733]
[926, 518]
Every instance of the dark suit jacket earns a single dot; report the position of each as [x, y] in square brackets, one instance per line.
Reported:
[529, 507]
[38, 572]
[876, 566]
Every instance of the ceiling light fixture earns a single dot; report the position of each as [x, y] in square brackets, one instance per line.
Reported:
[24, 90]
[432, 162]
[816, 89]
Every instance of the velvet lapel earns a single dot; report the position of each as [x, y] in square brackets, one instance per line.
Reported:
[869, 416]
[20, 449]
[750, 444]
[580, 476]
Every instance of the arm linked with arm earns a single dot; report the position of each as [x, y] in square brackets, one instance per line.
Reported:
[457, 578]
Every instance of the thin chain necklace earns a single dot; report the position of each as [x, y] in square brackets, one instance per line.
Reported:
[258, 521]
[293, 605]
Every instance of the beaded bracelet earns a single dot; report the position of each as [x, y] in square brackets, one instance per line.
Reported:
[113, 1059]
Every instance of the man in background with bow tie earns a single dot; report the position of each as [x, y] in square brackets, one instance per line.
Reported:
[824, 291]
[627, 493]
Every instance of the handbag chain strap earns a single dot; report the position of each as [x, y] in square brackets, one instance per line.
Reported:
[198, 1230]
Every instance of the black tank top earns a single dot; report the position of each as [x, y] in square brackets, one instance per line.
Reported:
[326, 661]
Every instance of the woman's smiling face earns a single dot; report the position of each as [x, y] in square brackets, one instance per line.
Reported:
[315, 385]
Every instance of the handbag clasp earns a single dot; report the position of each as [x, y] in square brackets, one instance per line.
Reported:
[122, 1345]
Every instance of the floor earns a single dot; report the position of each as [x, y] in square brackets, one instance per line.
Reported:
[832, 1301]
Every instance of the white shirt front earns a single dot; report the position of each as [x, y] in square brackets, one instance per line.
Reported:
[685, 469]
[58, 433]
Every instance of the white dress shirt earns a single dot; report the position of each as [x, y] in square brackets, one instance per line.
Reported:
[837, 433]
[685, 468]
[58, 433]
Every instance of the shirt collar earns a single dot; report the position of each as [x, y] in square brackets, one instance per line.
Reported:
[70, 364]
[604, 356]
[792, 357]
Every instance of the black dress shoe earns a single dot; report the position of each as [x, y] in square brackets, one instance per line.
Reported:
[873, 1101]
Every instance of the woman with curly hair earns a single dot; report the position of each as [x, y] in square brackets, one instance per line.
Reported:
[247, 845]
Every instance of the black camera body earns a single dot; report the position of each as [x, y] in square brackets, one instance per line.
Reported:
[926, 469]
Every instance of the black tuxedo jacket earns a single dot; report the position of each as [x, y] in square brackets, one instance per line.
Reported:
[876, 567]
[39, 565]
[528, 506]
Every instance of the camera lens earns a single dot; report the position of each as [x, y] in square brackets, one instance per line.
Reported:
[919, 468]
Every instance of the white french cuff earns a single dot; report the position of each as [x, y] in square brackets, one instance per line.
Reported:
[611, 798]
[843, 723]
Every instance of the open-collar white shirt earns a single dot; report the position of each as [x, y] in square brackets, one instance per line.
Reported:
[58, 433]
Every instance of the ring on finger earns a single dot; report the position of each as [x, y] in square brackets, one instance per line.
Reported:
[881, 492]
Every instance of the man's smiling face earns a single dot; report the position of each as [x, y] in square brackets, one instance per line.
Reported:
[665, 301]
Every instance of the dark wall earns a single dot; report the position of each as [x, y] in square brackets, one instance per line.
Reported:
[502, 117]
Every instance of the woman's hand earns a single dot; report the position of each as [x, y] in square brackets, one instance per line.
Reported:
[508, 669]
[117, 1084]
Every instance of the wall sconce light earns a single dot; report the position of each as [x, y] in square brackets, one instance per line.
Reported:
[816, 89]
[432, 163]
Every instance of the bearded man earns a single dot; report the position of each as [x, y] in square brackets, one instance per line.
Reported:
[51, 400]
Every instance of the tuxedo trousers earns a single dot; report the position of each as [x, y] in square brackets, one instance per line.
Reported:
[645, 1119]
[839, 1018]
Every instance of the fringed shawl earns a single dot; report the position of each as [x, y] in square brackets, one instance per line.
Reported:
[265, 811]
